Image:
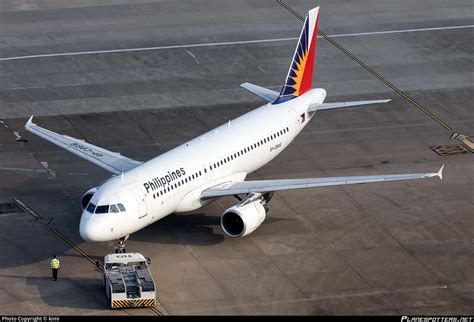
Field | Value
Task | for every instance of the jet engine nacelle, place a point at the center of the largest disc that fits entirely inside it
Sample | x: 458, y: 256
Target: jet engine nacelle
x: 241, y: 220
x: 87, y: 196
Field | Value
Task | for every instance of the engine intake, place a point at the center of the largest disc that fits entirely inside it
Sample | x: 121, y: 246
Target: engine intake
x: 241, y: 220
x: 87, y: 196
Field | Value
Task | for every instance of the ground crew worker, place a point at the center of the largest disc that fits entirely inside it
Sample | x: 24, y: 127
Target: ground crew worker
x: 55, y: 267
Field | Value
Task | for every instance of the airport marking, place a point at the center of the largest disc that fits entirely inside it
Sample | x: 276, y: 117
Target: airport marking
x: 227, y: 43
x: 24, y: 169
x: 450, y: 149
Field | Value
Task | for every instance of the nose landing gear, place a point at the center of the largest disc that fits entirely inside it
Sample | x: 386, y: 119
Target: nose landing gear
x: 121, y: 245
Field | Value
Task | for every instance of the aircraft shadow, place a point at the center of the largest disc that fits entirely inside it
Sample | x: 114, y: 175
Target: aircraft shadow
x: 193, y: 229
x: 197, y: 229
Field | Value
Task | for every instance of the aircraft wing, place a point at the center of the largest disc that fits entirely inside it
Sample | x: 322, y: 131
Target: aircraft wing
x: 331, y: 106
x: 262, y: 92
x: 264, y: 186
x: 111, y: 161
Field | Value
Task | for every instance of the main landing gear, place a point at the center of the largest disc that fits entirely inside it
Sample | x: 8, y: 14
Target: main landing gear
x: 121, y: 245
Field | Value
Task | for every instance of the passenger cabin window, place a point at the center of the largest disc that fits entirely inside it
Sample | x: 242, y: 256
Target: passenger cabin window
x: 90, y: 208
x: 102, y: 209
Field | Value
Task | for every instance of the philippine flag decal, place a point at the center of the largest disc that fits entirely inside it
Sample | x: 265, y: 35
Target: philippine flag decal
x: 302, y: 118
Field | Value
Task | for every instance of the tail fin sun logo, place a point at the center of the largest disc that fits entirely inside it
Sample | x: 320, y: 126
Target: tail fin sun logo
x: 293, y: 82
x: 300, y: 74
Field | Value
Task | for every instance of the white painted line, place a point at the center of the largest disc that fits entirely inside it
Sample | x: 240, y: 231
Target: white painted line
x: 227, y: 43
x: 78, y: 173
x: 149, y: 48
x: 192, y: 55
x: 17, y: 135
x: 23, y: 169
x: 399, y: 31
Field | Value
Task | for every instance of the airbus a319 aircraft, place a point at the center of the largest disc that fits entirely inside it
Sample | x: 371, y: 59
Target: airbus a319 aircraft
x: 197, y: 173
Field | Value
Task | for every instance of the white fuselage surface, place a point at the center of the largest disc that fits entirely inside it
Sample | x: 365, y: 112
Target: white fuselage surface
x: 173, y: 181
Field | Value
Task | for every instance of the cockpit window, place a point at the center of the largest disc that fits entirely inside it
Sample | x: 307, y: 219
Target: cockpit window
x: 113, y: 208
x: 90, y: 208
x: 121, y: 207
x: 102, y: 209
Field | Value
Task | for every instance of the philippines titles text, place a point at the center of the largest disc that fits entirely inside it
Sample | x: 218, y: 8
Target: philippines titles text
x: 160, y: 182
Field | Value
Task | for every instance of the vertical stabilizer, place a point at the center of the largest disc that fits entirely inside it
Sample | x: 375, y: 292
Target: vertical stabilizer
x: 300, y: 75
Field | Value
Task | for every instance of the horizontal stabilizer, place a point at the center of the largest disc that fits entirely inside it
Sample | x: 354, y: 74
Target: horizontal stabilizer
x: 262, y: 92
x: 331, y: 106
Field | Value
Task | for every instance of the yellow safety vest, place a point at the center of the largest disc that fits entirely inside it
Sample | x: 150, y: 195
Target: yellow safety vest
x: 55, y: 263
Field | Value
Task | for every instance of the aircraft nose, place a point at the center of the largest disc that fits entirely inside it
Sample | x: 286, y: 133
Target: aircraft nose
x: 89, y: 229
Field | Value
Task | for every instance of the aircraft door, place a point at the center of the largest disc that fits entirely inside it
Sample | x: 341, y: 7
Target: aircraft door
x: 141, y: 200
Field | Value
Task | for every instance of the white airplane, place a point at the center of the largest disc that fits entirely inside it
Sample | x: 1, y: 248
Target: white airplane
x: 214, y: 164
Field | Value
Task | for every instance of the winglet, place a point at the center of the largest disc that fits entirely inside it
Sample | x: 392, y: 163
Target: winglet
x: 440, y: 172
x: 30, y: 121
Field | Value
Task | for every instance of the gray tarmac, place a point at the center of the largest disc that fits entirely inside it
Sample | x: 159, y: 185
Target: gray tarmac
x: 385, y: 248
